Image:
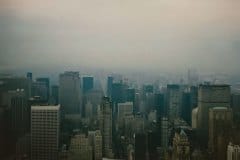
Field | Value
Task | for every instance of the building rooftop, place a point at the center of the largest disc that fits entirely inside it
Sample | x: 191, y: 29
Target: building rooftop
x: 45, y: 107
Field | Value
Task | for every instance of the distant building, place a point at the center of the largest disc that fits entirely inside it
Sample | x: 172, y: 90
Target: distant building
x: 109, y: 86
x: 233, y: 152
x: 220, y: 124
x: 29, y: 75
x: 106, y: 126
x: 80, y: 148
x: 181, y: 146
x: 70, y: 93
x: 87, y: 83
x: 95, y: 139
x: 164, y: 132
x: 40, y: 89
x: 45, y: 127
x: 46, y: 82
x: 210, y: 96
x: 55, y: 94
x: 174, y: 101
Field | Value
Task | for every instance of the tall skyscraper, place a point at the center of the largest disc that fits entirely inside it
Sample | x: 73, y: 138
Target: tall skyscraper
x: 45, y: 125
x: 55, y: 94
x: 174, y: 101
x: 87, y: 83
x: 220, y: 124
x: 106, y: 126
x: 109, y: 86
x: 69, y: 92
x: 210, y: 96
x: 46, y: 82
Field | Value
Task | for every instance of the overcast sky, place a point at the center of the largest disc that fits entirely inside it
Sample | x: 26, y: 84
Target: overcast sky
x: 159, y: 35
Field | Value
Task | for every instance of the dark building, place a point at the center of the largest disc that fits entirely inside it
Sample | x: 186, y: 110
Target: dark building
x: 186, y: 109
x: 39, y: 89
x: 159, y: 105
x: 47, y: 84
x: 117, y: 93
x: 109, y: 86
x: 88, y: 83
x: 141, y: 146
x: 148, y: 88
x: 29, y: 75
x: 55, y: 94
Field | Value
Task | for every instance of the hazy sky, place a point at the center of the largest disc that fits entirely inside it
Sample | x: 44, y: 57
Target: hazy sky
x: 164, y: 35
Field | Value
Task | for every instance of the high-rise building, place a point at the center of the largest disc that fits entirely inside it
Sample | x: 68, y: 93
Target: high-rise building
x: 87, y: 83
x: 45, y: 125
x: 164, y: 132
x: 69, y: 92
x: 40, y: 89
x: 20, y: 112
x: 181, y: 146
x: 159, y: 106
x: 55, y: 94
x: 210, y: 96
x: 109, y: 86
x: 106, y: 126
x: 186, y: 109
x: 174, y: 101
x: 80, y: 148
x: 46, y: 82
x: 220, y: 124
x: 29, y: 75
x: 95, y: 139
x: 233, y: 152
x: 140, y: 145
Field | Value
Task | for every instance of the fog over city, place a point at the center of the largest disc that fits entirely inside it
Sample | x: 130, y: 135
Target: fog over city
x: 155, y: 35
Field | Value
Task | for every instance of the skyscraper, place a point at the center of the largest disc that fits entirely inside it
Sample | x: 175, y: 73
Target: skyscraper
x: 233, y: 152
x: 210, y: 96
x: 46, y: 82
x: 95, y: 139
x: 174, y: 101
x: 87, y: 83
x: 106, y: 126
x: 69, y: 92
x: 220, y: 124
x: 45, y: 125
x: 109, y: 86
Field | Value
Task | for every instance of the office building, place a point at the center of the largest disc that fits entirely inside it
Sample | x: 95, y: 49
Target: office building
x: 106, y: 126
x: 181, y: 146
x: 87, y: 83
x: 80, y: 148
x: 210, y: 96
x: 46, y: 82
x: 55, y: 94
x: 220, y: 124
x: 45, y: 126
x: 109, y: 86
x: 95, y: 139
x: 70, y: 93
x: 174, y: 101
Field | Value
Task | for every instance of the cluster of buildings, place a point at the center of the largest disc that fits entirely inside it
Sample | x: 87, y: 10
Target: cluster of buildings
x: 80, y: 119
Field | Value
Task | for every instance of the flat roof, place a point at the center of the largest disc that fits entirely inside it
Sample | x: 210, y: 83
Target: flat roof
x: 45, y: 107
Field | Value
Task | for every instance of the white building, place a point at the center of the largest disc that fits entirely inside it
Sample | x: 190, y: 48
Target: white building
x: 233, y: 152
x: 45, y: 124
